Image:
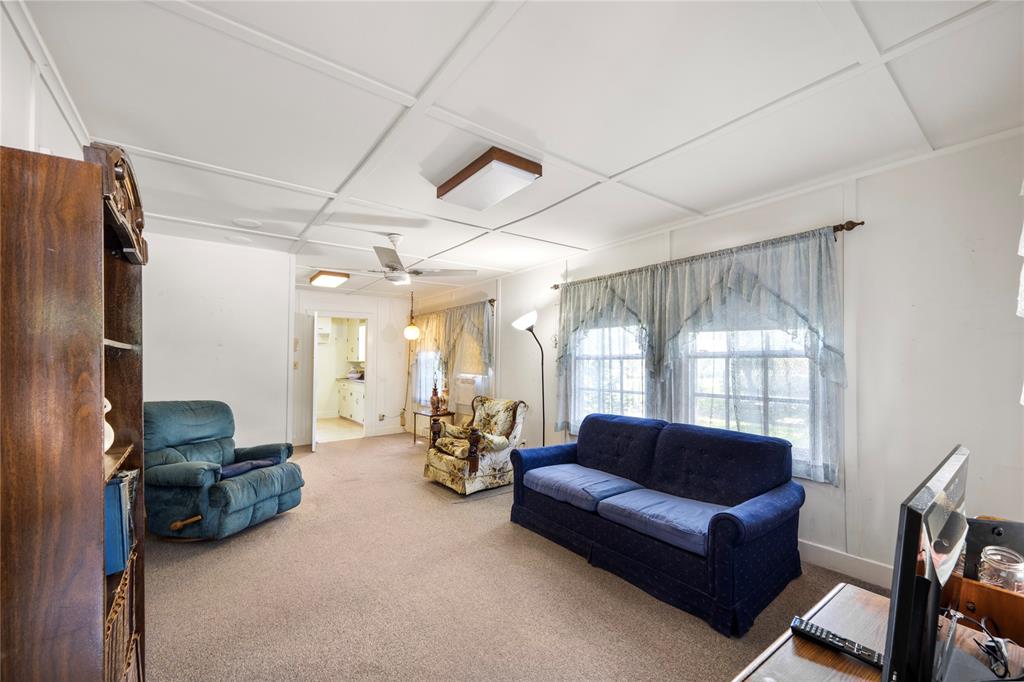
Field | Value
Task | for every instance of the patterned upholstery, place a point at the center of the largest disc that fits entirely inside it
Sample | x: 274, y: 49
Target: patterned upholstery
x: 450, y: 461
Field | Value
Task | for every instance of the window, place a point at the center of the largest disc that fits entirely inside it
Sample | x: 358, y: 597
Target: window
x: 609, y: 372
x: 427, y: 372
x: 758, y: 381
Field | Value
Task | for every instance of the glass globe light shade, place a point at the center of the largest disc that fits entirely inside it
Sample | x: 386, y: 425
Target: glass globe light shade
x: 412, y: 332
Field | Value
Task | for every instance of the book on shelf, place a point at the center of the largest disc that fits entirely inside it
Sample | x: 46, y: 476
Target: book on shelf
x: 119, y: 503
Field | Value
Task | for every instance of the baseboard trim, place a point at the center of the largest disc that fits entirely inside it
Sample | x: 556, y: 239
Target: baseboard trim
x: 867, y: 570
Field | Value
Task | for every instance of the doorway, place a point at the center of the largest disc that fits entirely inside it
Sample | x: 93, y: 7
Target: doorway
x: 339, y: 378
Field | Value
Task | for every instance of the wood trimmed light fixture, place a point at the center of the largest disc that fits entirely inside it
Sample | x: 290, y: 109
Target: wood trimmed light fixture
x: 327, y: 278
x: 494, y: 176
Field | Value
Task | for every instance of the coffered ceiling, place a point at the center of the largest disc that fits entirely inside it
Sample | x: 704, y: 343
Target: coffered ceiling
x: 318, y: 128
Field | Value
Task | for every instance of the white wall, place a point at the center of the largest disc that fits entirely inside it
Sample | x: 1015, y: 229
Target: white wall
x: 29, y: 115
x: 385, y: 364
x: 216, y: 327
x: 935, y: 352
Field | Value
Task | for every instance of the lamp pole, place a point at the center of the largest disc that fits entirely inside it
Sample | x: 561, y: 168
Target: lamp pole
x: 543, y: 409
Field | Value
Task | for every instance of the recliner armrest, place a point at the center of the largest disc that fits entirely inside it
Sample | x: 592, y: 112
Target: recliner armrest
x: 758, y: 515
x: 279, y: 451
x: 534, y: 458
x: 183, y: 475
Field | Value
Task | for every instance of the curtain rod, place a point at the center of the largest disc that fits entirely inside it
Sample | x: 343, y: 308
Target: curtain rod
x: 836, y: 229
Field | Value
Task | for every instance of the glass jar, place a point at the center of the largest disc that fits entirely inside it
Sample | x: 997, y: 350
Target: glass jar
x: 1002, y: 567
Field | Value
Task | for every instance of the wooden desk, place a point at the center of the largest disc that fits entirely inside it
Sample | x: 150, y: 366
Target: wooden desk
x: 855, y: 614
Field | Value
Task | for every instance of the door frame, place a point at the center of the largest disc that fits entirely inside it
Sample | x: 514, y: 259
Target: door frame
x: 370, y: 403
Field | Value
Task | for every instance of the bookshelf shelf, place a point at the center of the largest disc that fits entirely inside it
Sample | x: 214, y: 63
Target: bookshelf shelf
x: 114, y: 458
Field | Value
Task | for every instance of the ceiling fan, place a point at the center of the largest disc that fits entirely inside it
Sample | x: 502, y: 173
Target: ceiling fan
x: 398, y: 274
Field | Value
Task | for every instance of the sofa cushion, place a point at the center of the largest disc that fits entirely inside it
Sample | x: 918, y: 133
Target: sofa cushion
x: 239, y: 468
x: 174, y: 422
x: 717, y: 466
x: 577, y: 485
x: 256, y: 485
x: 679, y: 521
x: 623, y: 446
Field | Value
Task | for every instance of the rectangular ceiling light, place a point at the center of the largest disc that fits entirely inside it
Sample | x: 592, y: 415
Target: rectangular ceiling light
x: 325, y: 278
x: 494, y: 176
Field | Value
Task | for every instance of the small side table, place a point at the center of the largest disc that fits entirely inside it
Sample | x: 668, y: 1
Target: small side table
x: 424, y: 411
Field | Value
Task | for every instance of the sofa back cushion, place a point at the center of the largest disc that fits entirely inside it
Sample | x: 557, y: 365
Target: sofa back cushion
x: 200, y: 430
x: 718, y: 466
x: 623, y: 446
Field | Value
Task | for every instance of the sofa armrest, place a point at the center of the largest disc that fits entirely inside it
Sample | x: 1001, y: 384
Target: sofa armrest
x: 183, y: 475
x: 534, y: 458
x: 275, y: 451
x: 758, y: 515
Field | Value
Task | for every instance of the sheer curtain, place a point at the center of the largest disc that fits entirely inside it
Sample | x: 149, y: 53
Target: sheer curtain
x: 748, y: 339
x: 454, y: 343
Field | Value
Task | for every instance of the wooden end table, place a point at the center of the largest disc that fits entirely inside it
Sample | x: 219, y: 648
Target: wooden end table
x: 424, y: 411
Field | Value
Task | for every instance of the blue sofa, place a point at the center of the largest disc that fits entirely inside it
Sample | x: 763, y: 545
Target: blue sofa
x: 703, y: 519
x: 193, y: 469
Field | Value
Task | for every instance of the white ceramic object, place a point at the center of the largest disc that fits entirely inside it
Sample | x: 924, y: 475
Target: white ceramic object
x: 108, y: 430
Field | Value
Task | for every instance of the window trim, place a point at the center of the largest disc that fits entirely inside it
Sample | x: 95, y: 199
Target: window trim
x: 577, y: 388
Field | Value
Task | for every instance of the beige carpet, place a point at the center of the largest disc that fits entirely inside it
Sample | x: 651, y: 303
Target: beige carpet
x: 382, y: 575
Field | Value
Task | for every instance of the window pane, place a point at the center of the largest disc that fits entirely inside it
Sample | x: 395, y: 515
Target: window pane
x: 749, y: 416
x: 611, y: 375
x: 711, y: 412
x: 631, y: 341
x: 778, y: 339
x: 789, y: 378
x: 709, y: 375
x: 588, y: 373
x: 633, y: 375
x: 586, y: 403
x: 633, y: 404
x: 747, y: 377
x: 711, y: 342
x: 590, y: 342
x: 791, y: 421
x: 611, y: 402
x: 746, y: 340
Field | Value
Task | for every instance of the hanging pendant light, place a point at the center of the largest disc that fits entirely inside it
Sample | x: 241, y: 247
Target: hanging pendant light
x: 411, y: 332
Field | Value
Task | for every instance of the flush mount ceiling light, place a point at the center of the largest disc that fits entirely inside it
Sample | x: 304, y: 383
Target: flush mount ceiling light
x: 248, y: 222
x: 326, y: 278
x: 494, y: 176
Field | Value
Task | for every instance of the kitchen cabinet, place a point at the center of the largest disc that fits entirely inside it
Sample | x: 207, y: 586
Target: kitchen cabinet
x: 352, y: 400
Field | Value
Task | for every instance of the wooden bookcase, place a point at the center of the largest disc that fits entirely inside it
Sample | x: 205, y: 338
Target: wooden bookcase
x: 70, y: 334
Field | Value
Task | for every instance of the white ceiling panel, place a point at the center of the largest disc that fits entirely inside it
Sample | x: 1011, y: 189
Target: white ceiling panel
x: 188, y: 192
x: 169, y: 84
x: 398, y: 43
x: 890, y: 23
x: 967, y: 84
x: 603, y: 214
x: 608, y: 85
x: 855, y: 122
x: 354, y: 224
x: 432, y: 152
x: 326, y: 257
x: 214, y: 234
x: 501, y: 251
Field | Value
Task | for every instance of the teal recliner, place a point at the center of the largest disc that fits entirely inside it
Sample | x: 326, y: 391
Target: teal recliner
x: 199, y: 485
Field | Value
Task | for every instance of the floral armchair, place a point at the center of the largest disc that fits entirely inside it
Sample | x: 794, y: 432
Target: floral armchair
x: 476, y: 456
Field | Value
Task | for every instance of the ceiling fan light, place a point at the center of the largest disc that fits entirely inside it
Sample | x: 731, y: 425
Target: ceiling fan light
x: 398, y: 278
x: 325, y: 278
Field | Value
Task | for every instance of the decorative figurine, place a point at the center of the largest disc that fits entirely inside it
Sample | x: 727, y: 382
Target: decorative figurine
x: 108, y: 430
x: 435, y: 400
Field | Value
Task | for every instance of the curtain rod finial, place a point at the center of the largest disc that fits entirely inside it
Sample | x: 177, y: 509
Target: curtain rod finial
x: 847, y: 226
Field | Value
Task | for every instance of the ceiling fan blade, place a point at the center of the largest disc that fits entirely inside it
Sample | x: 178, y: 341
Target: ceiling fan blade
x: 442, y: 273
x: 388, y: 258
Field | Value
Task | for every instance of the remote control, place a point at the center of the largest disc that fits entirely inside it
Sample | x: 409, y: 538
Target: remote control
x: 801, y: 627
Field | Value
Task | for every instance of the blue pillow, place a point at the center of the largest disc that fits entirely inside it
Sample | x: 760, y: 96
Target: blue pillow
x: 239, y: 468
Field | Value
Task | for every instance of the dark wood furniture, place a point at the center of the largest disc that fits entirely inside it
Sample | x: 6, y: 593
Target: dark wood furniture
x: 424, y: 411
x: 70, y: 333
x: 856, y: 614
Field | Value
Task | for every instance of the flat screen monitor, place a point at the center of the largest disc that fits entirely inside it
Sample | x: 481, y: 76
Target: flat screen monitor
x: 931, y: 536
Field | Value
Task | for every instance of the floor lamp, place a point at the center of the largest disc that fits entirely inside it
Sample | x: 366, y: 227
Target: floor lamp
x: 525, y: 324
